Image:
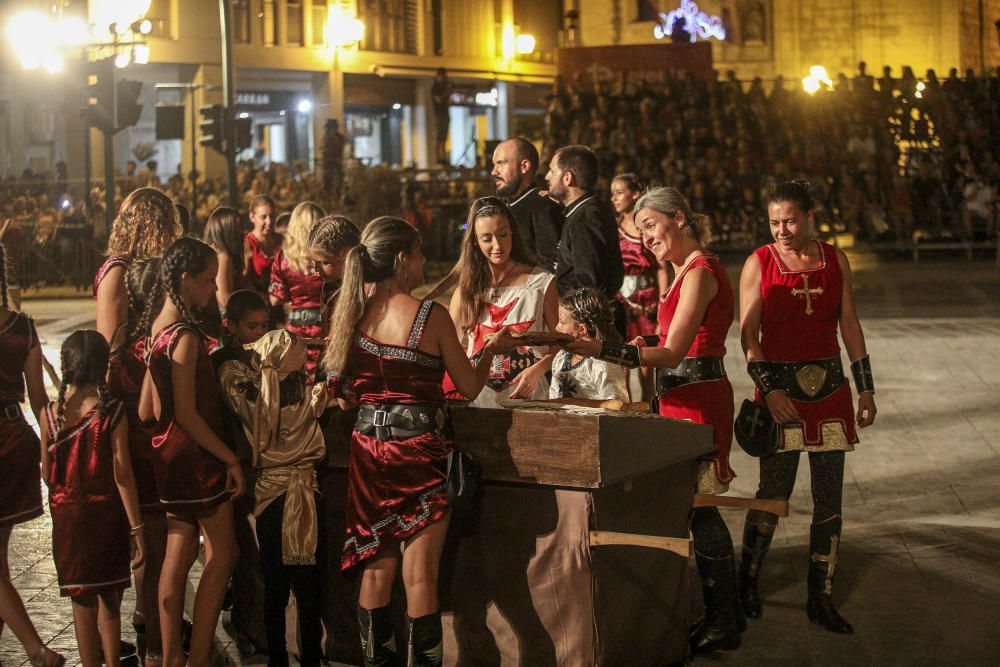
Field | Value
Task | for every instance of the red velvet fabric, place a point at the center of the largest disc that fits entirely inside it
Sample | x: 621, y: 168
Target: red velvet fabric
x: 109, y: 263
x: 90, y: 530
x: 188, y: 478
x: 710, y: 340
x: 301, y: 291
x: 259, y: 273
x: 125, y: 373
x: 641, y: 263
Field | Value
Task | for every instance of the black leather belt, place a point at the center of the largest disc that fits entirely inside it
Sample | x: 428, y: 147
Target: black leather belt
x: 808, y: 381
x: 11, y: 411
x: 691, y: 369
x: 303, y: 317
x: 401, y: 421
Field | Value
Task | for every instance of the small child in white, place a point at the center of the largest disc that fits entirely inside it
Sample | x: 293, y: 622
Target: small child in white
x: 586, y: 312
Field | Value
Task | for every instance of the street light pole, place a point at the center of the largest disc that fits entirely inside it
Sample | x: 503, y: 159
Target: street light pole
x: 229, y: 96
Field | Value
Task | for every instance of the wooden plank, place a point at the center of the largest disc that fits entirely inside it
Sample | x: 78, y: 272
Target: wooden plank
x: 678, y: 545
x: 779, y: 507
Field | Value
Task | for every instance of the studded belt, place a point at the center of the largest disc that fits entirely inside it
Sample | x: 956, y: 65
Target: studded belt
x: 10, y: 411
x: 401, y: 421
x: 691, y: 369
x: 303, y: 317
x: 808, y: 381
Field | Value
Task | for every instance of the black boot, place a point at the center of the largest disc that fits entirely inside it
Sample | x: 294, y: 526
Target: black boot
x: 718, y: 631
x: 425, y: 646
x: 378, y: 644
x: 825, y: 537
x: 757, y: 535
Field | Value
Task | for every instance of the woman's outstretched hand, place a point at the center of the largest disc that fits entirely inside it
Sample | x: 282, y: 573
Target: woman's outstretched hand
x: 585, y: 346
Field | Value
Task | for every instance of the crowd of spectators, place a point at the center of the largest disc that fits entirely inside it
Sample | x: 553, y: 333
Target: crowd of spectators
x: 893, y: 159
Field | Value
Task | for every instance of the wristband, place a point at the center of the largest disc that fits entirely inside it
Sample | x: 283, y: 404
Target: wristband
x: 135, y: 529
x: 622, y: 355
x: 861, y: 369
x: 762, y: 377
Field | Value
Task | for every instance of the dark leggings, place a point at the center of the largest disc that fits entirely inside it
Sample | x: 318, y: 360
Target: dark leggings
x: 710, y: 534
x: 305, y: 580
x: 777, y: 479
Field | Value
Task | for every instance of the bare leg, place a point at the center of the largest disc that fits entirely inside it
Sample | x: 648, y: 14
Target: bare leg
x: 12, y: 610
x: 155, y: 534
x: 88, y: 636
x: 181, y: 550
x: 220, y: 557
x: 109, y: 622
x: 376, y: 582
x: 421, y: 564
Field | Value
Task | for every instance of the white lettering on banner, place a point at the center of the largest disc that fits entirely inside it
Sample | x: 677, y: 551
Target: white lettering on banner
x: 253, y: 99
x: 698, y: 24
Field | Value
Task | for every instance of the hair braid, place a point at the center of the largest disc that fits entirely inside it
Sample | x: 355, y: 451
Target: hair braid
x: 67, y: 378
x: 3, y: 277
x: 185, y: 255
x: 105, y: 394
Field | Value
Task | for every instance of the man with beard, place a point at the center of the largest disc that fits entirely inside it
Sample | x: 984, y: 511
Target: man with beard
x: 538, y: 218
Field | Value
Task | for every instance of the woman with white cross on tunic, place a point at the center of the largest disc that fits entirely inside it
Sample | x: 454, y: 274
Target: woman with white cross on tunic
x: 794, y: 294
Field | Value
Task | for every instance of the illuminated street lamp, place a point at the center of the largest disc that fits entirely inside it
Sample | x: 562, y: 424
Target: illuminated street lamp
x: 817, y: 79
x: 525, y: 44
x: 343, y: 29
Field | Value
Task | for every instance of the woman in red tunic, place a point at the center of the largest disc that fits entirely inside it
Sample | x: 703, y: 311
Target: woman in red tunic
x: 261, y: 243
x: 296, y: 284
x: 388, y: 351
x: 21, y: 491
x: 691, y: 383
x: 92, y: 496
x: 196, y: 473
x: 794, y: 294
x: 145, y: 226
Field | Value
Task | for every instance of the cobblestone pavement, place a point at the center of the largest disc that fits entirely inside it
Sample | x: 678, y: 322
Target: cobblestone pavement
x: 919, y: 575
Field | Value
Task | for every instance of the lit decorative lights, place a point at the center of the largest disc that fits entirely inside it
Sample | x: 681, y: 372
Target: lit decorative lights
x: 697, y: 24
x: 817, y: 79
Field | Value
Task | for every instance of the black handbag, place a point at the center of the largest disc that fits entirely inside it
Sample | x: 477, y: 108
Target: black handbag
x: 463, y: 481
x: 755, y: 429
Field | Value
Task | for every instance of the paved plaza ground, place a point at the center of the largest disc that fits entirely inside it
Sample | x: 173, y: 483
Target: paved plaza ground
x: 919, y: 575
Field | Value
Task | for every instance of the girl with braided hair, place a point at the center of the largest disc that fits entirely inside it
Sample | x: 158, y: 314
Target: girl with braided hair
x: 20, y: 492
x: 196, y: 473
x: 586, y: 312
x: 145, y: 226
x: 126, y: 369
x: 329, y: 243
x: 86, y: 465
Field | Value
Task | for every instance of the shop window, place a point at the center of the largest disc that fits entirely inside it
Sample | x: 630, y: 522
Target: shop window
x: 390, y: 25
x: 241, y: 21
x: 293, y: 22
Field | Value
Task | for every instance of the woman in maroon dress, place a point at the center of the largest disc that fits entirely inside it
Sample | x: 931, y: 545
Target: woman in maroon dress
x: 21, y: 491
x: 145, y: 226
x: 296, y: 284
x: 388, y: 351
x: 224, y: 232
x: 794, y: 296
x: 694, y: 317
x: 92, y: 496
x: 261, y: 244
x: 196, y: 473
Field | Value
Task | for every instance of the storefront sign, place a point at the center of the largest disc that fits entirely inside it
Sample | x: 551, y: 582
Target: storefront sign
x: 697, y: 24
x: 253, y: 99
x: 649, y: 62
x: 468, y: 96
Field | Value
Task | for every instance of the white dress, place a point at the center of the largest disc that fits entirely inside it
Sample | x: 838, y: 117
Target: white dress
x: 519, y: 308
x: 587, y: 378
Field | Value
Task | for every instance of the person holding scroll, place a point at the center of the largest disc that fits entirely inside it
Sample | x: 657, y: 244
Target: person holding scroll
x: 794, y: 294
x: 694, y: 316
x: 500, y: 286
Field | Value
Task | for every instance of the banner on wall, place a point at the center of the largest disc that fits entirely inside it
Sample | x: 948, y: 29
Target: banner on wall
x: 655, y: 63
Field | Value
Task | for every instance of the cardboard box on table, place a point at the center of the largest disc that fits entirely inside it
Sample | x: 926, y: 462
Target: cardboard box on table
x: 530, y: 579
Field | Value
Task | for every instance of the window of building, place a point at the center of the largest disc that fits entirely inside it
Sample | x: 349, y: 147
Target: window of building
x: 241, y: 21
x: 319, y: 14
x: 390, y: 25
x: 268, y: 22
x: 294, y: 33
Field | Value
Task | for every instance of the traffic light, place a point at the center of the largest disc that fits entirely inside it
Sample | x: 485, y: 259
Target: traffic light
x: 127, y: 105
x: 100, y: 96
x: 244, y: 134
x: 211, y: 128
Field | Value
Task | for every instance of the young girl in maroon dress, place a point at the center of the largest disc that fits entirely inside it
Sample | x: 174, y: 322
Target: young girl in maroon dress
x: 694, y: 316
x: 196, y: 473
x: 126, y: 369
x: 85, y: 463
x: 145, y: 226
x: 21, y: 491
x: 388, y: 351
x: 296, y: 285
x: 261, y: 243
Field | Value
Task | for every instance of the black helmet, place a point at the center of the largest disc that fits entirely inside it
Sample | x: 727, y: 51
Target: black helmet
x: 755, y: 429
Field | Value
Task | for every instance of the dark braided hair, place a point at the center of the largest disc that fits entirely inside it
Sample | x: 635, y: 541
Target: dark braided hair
x: 185, y: 255
x: 140, y: 283
x: 83, y: 362
x: 591, y: 309
x: 3, y: 278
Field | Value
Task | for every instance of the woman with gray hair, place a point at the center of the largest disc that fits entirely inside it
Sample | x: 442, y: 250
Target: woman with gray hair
x: 694, y: 317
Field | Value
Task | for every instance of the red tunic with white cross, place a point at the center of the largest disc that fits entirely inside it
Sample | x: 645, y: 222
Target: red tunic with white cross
x: 799, y: 322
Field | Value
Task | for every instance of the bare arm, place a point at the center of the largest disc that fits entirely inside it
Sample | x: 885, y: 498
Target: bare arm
x: 455, y: 311
x: 751, y: 309
x: 37, y: 397
x: 444, y: 284
x: 854, y: 339
x: 699, y: 288
x: 224, y: 279
x: 43, y: 427
x: 468, y: 380
x: 125, y: 480
x: 112, y: 302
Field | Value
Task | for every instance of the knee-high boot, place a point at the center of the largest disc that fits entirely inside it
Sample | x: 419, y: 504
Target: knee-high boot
x: 378, y: 644
x: 718, y: 631
x: 425, y: 647
x: 824, y: 539
x: 757, y: 534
